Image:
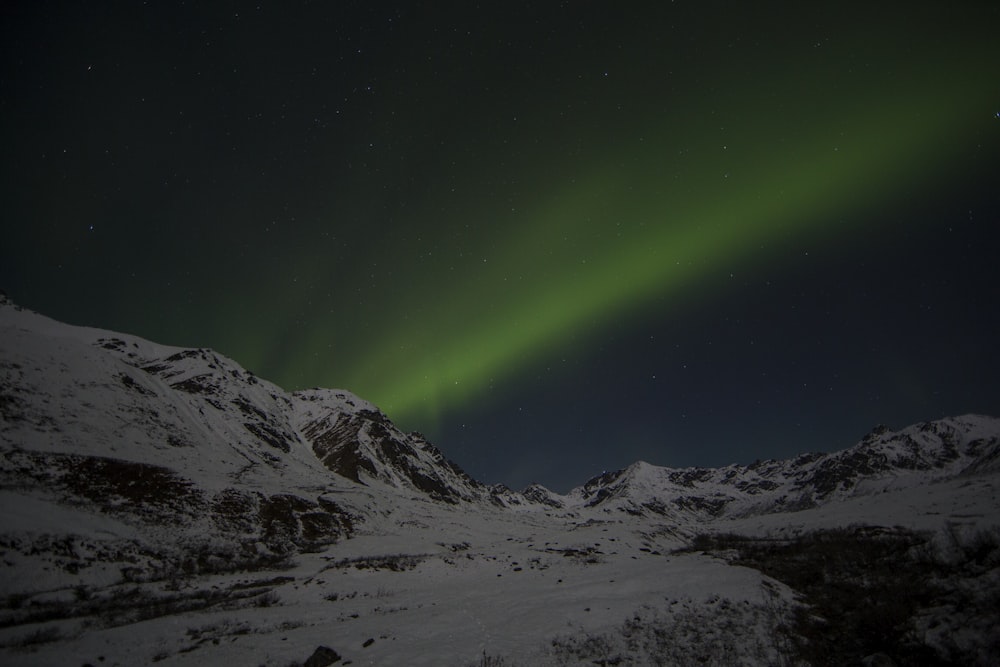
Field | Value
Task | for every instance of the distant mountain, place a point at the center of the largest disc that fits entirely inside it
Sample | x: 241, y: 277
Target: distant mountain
x: 884, y: 460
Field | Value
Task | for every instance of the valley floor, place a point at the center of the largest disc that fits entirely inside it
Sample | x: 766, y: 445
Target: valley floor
x: 440, y: 585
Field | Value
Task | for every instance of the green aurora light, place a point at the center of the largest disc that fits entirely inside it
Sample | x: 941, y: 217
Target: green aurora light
x: 640, y: 228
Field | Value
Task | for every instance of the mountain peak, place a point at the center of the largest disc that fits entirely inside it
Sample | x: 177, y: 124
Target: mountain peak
x: 883, y: 458
x: 174, y: 402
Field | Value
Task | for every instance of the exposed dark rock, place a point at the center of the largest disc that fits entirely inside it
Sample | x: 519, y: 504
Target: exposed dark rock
x: 541, y: 495
x: 322, y: 656
x: 270, y: 435
x: 198, y: 384
x: 710, y: 506
x: 129, y: 383
x: 367, y: 442
x: 117, y: 486
x: 691, y: 476
x: 338, y: 445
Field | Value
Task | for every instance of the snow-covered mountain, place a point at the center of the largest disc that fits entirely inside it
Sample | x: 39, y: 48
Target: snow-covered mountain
x: 884, y: 460
x: 141, y: 482
x: 157, y: 435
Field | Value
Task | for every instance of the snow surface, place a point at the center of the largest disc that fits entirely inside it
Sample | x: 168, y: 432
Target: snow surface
x: 429, y: 567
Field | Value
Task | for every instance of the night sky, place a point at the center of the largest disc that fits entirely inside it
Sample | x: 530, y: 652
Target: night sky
x: 555, y: 237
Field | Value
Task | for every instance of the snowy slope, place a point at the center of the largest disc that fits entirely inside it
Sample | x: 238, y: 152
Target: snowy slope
x: 164, y: 505
x: 184, y: 451
x: 883, y: 461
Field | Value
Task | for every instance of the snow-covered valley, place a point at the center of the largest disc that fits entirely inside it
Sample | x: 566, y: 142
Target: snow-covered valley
x: 163, y: 505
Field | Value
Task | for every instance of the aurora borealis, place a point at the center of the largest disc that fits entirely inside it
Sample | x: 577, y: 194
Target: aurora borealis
x: 555, y: 237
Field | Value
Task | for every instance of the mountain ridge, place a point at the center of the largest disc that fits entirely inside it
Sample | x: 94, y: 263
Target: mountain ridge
x: 165, y: 504
x: 884, y: 458
x: 352, y: 438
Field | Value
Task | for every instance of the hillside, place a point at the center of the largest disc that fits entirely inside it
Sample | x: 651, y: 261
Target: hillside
x: 165, y: 505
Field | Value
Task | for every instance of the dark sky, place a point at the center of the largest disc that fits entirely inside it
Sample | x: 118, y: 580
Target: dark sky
x: 555, y: 237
